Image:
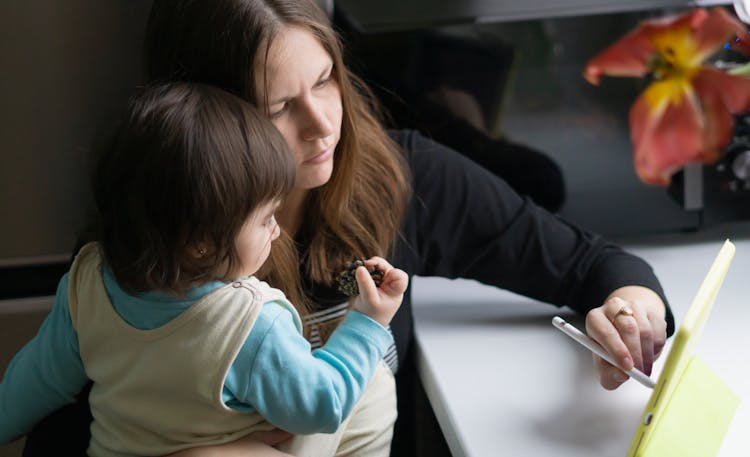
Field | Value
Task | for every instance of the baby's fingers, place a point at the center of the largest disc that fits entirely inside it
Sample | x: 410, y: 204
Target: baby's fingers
x: 379, y: 263
x: 367, y: 288
x: 395, y: 282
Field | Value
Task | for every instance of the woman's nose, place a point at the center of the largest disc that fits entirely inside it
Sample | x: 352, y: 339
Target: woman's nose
x: 317, y: 124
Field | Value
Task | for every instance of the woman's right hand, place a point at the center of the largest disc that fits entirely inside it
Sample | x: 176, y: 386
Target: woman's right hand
x: 380, y: 303
x: 630, y: 326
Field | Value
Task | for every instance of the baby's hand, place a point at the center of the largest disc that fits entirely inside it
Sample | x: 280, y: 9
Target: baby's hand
x: 380, y: 303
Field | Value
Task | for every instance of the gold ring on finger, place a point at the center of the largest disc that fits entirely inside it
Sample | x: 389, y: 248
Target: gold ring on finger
x: 623, y: 311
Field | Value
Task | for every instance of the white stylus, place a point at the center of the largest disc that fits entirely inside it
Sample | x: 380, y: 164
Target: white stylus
x: 594, y: 347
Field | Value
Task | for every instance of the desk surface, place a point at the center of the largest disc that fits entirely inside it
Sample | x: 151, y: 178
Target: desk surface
x: 501, y: 378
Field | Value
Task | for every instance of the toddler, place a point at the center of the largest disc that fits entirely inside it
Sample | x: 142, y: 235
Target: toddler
x: 185, y: 347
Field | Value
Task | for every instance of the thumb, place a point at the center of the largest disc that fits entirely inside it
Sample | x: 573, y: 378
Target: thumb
x: 367, y: 287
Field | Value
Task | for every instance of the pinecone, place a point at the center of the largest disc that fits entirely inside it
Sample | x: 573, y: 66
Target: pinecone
x: 347, y: 282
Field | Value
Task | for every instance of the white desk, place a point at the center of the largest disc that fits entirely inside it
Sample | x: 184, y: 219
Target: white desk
x: 503, y: 381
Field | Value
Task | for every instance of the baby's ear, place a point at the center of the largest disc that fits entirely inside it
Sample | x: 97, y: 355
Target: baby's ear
x: 198, y: 251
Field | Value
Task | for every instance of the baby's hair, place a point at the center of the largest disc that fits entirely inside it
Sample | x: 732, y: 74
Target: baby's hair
x: 187, y: 166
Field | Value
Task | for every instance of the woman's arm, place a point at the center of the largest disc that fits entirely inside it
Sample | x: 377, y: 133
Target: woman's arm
x: 466, y: 222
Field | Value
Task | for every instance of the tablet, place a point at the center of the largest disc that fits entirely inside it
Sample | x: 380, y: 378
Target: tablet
x: 691, y: 408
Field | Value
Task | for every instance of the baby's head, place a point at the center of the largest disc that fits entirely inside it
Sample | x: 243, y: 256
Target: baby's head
x: 187, y: 189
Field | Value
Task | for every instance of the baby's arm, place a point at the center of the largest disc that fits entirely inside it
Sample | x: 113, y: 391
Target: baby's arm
x: 46, y: 374
x: 276, y: 375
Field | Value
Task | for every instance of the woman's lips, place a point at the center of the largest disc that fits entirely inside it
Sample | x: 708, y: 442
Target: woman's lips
x: 320, y: 158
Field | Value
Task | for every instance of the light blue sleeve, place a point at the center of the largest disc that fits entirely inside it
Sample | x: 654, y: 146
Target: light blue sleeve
x: 46, y: 374
x: 298, y: 391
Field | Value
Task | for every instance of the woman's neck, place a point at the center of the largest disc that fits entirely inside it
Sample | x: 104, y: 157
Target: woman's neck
x: 292, y: 211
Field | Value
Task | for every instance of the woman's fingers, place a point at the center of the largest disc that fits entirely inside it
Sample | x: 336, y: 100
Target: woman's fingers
x: 610, y: 377
x: 272, y: 437
x: 631, y: 328
x: 646, y: 334
x: 257, y: 444
x: 624, y: 317
x: 624, y: 330
x: 600, y: 326
x: 659, y: 331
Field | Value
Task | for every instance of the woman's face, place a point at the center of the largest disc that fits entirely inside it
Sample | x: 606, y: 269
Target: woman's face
x: 304, y: 102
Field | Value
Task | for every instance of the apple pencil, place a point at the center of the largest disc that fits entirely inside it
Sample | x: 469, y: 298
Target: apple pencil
x: 594, y: 347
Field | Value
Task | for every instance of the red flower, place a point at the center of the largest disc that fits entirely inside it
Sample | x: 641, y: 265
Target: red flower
x: 685, y: 115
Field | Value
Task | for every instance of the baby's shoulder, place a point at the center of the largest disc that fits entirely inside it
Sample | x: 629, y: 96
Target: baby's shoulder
x: 263, y: 291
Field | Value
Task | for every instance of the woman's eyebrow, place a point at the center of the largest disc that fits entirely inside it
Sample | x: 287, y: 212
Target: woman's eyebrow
x: 323, y: 73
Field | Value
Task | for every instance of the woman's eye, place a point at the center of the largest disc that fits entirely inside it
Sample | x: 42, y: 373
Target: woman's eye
x: 280, y: 111
x: 323, y: 82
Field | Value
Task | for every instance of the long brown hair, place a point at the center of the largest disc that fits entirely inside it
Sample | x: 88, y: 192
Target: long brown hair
x: 187, y: 166
x: 358, y: 212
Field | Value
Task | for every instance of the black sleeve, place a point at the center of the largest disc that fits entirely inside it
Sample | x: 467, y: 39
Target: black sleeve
x: 466, y: 222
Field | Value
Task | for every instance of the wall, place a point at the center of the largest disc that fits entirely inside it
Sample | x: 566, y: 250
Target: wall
x: 67, y: 69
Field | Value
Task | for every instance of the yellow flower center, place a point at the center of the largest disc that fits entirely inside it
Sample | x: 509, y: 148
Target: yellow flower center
x: 677, y: 55
x: 672, y: 91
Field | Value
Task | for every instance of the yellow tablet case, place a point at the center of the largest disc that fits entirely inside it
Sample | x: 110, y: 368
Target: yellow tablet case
x: 690, y: 408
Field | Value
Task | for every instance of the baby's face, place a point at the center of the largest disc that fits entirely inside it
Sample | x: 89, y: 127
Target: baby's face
x: 253, y: 242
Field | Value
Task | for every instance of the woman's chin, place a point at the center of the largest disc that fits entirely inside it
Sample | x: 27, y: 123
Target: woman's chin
x: 316, y: 179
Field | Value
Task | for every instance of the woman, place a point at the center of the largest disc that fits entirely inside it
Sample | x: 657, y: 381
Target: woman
x: 362, y: 191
